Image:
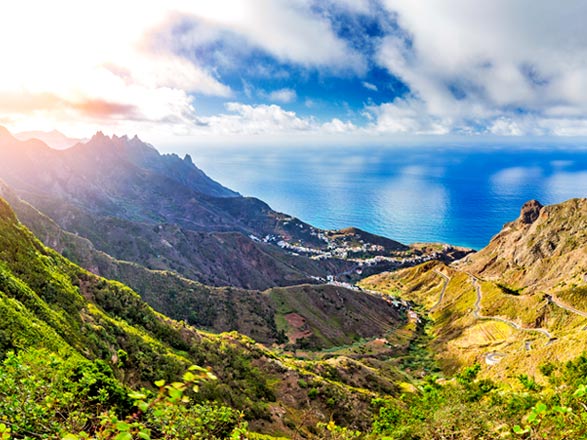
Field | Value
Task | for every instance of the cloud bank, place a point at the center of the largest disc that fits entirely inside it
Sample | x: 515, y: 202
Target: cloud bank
x: 373, y: 69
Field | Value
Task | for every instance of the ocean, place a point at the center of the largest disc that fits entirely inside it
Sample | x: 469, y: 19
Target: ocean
x: 461, y: 196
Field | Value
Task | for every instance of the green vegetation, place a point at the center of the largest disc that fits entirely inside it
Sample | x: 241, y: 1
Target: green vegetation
x: 472, y: 408
x: 82, y: 357
x: 45, y: 396
x: 78, y: 348
x: 508, y: 290
x: 326, y: 316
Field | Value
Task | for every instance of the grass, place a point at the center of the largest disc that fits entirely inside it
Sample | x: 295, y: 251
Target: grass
x: 458, y: 339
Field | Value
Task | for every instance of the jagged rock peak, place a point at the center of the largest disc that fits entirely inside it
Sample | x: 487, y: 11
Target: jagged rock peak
x: 530, y: 211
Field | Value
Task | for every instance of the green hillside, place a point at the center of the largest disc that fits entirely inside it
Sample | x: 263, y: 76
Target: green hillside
x: 250, y: 312
x: 73, y: 333
x: 84, y: 357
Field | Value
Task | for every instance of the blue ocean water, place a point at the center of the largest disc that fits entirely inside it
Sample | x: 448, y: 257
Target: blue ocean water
x: 461, y: 196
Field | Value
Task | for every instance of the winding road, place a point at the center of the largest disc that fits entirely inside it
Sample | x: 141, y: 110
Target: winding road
x: 446, y: 281
x: 494, y: 358
x: 552, y: 299
x: 477, y: 314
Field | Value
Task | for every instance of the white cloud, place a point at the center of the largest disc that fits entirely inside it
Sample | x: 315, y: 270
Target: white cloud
x: 79, y: 65
x: 288, y: 30
x: 265, y: 119
x: 260, y: 119
x: 406, y: 116
x: 83, y: 65
x: 369, y: 86
x: 284, y: 96
x: 505, y: 127
x: 508, y: 68
x: 468, y: 61
x: 338, y: 126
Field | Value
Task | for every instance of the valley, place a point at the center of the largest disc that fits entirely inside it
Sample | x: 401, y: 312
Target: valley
x: 512, y: 311
x: 301, y: 332
x: 293, y: 220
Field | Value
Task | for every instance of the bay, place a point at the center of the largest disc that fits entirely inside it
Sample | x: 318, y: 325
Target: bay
x: 461, y: 196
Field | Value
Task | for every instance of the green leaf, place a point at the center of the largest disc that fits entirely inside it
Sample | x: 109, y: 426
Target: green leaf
x: 174, y: 393
x: 189, y: 377
x: 518, y: 430
x: 123, y: 436
x: 540, y: 407
x: 69, y: 437
x: 197, y: 368
x: 159, y: 383
x: 122, y: 426
x: 136, y: 396
x: 144, y: 435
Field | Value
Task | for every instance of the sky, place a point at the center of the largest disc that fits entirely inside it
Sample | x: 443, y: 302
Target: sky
x: 296, y: 71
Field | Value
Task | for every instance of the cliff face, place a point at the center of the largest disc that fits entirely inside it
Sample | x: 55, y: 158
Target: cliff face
x: 545, y: 246
x: 516, y: 304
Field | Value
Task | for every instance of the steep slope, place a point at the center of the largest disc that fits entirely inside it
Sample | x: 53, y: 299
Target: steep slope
x: 545, y: 246
x: 50, y: 304
x: 327, y: 316
x: 159, y: 211
x: 164, y: 213
x: 69, y: 304
x: 516, y: 304
x: 250, y: 312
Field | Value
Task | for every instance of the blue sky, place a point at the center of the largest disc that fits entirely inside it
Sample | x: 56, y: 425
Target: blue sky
x: 297, y: 71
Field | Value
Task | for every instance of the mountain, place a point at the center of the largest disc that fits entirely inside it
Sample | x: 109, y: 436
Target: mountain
x: 250, y: 312
x: 105, y: 340
x: 419, y: 352
x: 162, y: 212
x: 544, y: 247
x: 55, y: 139
x: 515, y: 305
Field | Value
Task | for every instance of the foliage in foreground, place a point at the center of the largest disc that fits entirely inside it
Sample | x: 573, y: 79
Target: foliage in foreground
x: 472, y: 408
x: 45, y: 396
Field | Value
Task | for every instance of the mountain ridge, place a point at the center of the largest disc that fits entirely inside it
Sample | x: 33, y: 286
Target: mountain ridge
x: 138, y: 205
x: 58, y: 308
x: 515, y: 304
x: 251, y: 312
x: 54, y: 138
